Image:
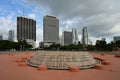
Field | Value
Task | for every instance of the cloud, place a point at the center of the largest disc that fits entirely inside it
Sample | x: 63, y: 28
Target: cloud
x: 6, y: 24
x: 101, y: 16
x: 83, y: 8
x: 33, y: 16
x: 39, y: 35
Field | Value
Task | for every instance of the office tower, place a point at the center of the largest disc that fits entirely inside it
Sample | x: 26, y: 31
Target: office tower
x: 116, y: 38
x: 66, y: 38
x: 103, y: 39
x: 50, y: 29
x: 1, y: 37
x: 84, y: 36
x: 75, y: 36
x: 26, y: 30
x: 11, y: 35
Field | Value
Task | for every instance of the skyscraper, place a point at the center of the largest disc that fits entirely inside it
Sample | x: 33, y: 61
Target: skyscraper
x: 84, y: 36
x: 66, y: 38
x: 74, y: 36
x: 1, y: 37
x: 50, y: 29
x: 11, y: 35
x: 26, y: 30
x: 103, y: 39
x: 116, y: 38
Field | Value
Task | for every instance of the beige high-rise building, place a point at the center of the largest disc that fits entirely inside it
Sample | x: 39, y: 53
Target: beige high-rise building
x: 50, y: 29
x: 74, y: 36
x: 85, y: 39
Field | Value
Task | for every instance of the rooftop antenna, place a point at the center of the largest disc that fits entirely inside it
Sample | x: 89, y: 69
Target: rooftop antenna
x: 23, y: 11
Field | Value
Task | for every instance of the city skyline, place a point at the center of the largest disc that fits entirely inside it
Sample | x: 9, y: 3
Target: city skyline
x: 101, y: 19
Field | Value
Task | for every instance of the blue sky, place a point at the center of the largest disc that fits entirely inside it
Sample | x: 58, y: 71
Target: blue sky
x: 10, y: 9
x: 102, y: 17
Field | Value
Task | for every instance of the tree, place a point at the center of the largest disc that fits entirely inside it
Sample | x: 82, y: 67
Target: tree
x: 90, y: 47
x: 53, y: 47
x: 8, y: 45
x: 80, y: 46
x: 23, y: 45
x: 117, y: 44
x: 110, y: 46
x: 101, y: 45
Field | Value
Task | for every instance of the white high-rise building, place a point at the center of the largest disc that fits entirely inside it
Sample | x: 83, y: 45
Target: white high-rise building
x: 11, y: 35
x: 50, y: 29
x: 85, y: 36
x: 75, y: 36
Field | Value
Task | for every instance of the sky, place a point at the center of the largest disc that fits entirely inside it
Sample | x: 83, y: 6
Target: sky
x: 102, y: 17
